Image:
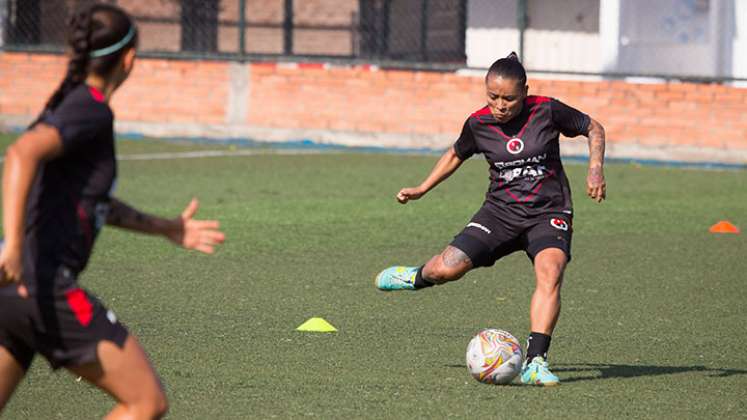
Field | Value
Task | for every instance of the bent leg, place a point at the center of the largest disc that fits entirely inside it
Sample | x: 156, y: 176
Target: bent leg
x: 128, y: 376
x: 11, y: 373
x: 549, y: 265
x: 449, y: 265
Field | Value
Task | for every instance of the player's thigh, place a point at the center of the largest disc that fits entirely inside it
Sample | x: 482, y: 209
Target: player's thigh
x: 487, y: 237
x: 16, y: 339
x: 549, y: 232
x: 11, y: 373
x: 125, y: 373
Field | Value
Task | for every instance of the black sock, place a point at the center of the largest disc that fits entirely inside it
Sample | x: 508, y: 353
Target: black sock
x: 421, y: 282
x: 537, y: 345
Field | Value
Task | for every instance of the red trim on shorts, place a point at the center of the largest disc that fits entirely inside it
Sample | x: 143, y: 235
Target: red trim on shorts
x: 80, y: 305
x: 96, y: 94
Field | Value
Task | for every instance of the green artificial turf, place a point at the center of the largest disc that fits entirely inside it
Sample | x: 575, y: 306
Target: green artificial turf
x: 653, y: 305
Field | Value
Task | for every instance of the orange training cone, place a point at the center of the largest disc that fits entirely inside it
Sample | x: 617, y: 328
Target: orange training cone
x: 724, y: 226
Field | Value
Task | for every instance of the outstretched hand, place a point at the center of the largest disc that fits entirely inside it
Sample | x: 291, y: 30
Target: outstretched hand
x: 596, y: 187
x: 200, y: 235
x: 406, y: 194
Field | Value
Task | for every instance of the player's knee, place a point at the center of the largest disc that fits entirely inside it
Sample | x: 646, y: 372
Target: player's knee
x: 159, y: 405
x: 154, y: 406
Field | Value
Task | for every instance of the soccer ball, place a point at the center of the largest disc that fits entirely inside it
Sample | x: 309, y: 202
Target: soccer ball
x: 494, y: 356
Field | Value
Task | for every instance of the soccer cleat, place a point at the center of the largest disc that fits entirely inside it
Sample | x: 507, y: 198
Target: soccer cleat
x: 397, y: 278
x: 538, y: 373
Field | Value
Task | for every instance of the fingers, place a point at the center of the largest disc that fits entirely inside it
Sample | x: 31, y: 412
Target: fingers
x: 8, y: 277
x: 402, y: 196
x: 203, y: 236
x: 205, y: 249
x: 7, y: 280
x: 23, y: 291
x: 205, y: 224
x: 213, y: 238
x: 597, y: 193
x: 191, y: 209
x: 406, y: 194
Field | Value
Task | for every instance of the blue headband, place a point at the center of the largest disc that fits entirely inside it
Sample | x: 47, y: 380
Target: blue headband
x: 114, y: 47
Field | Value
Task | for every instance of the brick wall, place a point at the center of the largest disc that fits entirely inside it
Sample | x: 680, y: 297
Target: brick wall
x: 362, y: 101
x: 357, y: 99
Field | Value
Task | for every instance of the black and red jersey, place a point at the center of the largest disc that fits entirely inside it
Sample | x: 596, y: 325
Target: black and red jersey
x: 526, y: 174
x: 69, y: 200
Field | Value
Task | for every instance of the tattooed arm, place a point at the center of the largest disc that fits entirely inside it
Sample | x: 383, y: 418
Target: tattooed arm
x: 596, y: 187
x: 201, y: 235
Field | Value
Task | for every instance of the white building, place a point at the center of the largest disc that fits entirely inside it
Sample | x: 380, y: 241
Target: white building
x: 653, y: 37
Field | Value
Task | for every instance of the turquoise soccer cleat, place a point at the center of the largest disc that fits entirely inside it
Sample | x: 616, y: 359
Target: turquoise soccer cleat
x: 397, y: 278
x: 538, y: 373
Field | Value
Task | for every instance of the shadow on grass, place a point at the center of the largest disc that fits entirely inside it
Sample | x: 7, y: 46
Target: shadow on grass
x: 577, y: 372
x: 607, y: 371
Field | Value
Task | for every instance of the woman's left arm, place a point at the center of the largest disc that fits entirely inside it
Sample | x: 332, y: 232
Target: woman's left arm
x: 200, y: 235
x: 596, y: 187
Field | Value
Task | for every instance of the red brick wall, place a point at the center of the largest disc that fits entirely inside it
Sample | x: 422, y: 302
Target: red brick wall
x: 159, y: 90
x: 367, y: 100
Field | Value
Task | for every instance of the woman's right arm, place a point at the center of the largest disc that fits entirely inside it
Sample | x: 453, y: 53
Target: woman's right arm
x: 22, y: 160
x: 446, y: 166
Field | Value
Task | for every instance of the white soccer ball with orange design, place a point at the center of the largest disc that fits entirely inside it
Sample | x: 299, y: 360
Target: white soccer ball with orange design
x: 494, y: 356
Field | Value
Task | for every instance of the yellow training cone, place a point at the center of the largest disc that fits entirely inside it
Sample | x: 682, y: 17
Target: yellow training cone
x: 316, y: 325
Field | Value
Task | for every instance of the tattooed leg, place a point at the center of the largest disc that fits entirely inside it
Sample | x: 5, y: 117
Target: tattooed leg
x: 450, y: 265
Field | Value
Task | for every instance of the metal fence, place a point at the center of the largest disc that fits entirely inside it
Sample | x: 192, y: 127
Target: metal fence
x: 414, y: 31
x: 682, y: 39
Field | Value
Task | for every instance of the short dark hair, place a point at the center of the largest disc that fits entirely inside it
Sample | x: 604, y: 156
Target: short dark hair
x: 508, y: 68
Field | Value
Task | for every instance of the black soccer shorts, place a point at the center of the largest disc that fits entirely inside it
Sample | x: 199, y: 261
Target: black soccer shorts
x: 493, y: 234
x: 65, y: 327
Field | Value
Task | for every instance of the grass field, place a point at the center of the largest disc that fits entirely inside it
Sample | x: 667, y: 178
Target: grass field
x: 653, y: 311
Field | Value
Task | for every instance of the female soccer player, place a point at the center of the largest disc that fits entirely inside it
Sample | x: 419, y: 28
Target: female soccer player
x: 528, y: 206
x: 58, y: 182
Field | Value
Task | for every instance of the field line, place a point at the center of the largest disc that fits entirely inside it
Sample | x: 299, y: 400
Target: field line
x: 210, y: 153
x: 206, y: 154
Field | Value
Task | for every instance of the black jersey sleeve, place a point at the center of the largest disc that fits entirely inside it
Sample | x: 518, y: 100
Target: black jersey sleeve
x: 79, y: 124
x: 465, y: 145
x: 569, y: 121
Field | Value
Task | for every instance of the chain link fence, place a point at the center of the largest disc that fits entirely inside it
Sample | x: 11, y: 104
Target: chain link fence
x: 696, y: 39
x: 416, y: 31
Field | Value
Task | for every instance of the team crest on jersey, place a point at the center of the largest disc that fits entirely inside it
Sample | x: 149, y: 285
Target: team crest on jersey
x: 515, y: 146
x: 559, y: 223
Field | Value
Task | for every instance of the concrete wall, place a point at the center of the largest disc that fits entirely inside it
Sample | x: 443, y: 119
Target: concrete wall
x: 676, y: 37
x: 363, y: 105
x: 557, y: 38
x: 739, y: 40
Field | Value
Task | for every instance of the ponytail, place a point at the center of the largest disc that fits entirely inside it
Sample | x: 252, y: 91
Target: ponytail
x: 94, y: 32
x: 509, y: 68
x: 79, y: 40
